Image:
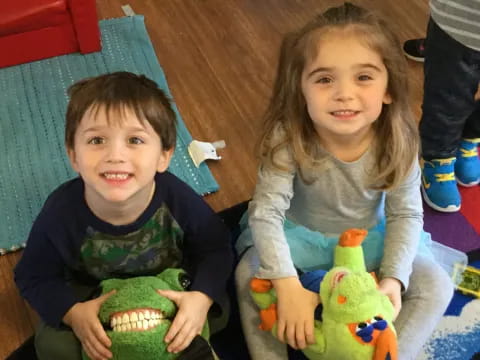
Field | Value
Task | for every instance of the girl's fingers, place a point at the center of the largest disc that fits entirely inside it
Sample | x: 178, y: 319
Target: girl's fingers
x: 281, y: 330
x: 310, y: 333
x: 290, y: 332
x: 300, y: 337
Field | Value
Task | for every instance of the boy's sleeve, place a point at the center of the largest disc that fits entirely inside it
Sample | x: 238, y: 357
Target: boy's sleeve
x: 39, y: 276
x: 207, y: 245
x: 210, y: 252
x: 404, y: 215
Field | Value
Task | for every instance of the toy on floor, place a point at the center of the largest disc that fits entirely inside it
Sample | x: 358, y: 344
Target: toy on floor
x: 137, y: 318
x: 468, y: 279
x: 356, y: 319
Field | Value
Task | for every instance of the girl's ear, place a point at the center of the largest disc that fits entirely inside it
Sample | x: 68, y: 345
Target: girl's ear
x: 164, y: 161
x: 387, y: 99
x: 72, y: 158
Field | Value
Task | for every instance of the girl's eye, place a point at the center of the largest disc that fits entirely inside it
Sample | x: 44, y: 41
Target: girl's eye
x: 135, y: 141
x: 324, y: 80
x: 365, y: 77
x: 96, y: 140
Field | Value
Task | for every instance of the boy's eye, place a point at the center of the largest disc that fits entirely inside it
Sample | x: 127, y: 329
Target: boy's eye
x: 135, y: 140
x: 96, y: 140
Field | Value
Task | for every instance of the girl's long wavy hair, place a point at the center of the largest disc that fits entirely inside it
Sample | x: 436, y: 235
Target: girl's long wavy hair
x: 396, y: 134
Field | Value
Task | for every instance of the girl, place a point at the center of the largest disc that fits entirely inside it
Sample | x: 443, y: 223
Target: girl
x: 339, y: 150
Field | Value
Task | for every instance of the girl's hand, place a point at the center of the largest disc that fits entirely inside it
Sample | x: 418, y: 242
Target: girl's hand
x: 192, y: 312
x: 83, y: 319
x: 296, y: 307
x: 393, y: 289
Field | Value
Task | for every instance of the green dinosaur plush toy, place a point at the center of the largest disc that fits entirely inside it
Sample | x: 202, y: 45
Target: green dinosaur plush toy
x: 137, y: 318
x: 356, y: 319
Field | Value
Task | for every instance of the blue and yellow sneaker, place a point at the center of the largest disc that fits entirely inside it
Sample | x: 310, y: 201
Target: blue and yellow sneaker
x: 467, y: 167
x: 439, y: 187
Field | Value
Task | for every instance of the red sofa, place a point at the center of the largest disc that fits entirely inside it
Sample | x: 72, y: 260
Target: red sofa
x: 37, y: 29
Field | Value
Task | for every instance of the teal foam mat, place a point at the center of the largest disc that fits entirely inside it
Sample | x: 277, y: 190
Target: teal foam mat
x: 33, y: 102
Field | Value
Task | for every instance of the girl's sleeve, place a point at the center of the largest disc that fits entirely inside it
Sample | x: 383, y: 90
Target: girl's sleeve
x: 404, y: 215
x: 266, y: 211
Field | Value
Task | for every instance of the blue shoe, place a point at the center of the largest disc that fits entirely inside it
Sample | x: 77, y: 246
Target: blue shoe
x: 467, y: 167
x: 439, y: 187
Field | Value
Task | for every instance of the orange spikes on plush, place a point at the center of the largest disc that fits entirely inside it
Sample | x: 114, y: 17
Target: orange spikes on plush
x: 352, y: 237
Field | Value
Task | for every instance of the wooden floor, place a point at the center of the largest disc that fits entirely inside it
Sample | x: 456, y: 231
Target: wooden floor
x: 219, y: 57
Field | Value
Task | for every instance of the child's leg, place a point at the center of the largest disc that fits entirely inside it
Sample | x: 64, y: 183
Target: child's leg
x: 423, y: 305
x: 55, y: 344
x: 262, y: 345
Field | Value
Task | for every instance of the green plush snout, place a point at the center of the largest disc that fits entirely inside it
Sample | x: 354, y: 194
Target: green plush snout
x: 137, y: 318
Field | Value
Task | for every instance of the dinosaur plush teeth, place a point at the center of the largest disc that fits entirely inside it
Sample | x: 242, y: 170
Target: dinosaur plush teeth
x: 138, y: 325
x: 136, y: 320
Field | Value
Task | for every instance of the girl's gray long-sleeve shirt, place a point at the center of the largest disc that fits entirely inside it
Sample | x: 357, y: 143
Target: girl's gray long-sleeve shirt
x: 338, y: 199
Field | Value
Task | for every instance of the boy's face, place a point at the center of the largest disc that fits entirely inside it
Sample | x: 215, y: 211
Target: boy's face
x: 345, y: 87
x: 117, y: 160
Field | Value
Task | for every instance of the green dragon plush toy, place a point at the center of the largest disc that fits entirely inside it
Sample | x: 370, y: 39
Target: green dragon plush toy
x: 356, y: 319
x: 137, y: 318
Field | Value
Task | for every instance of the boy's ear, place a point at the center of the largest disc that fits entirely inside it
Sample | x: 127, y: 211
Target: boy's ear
x: 164, y: 161
x: 72, y: 158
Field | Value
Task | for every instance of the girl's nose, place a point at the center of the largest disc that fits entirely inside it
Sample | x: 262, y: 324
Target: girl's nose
x: 344, y: 90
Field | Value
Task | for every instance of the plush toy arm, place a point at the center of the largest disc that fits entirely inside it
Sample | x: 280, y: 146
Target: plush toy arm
x: 264, y: 296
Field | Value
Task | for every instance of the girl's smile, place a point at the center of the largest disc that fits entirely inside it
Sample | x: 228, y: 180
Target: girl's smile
x: 344, y: 86
x: 344, y: 114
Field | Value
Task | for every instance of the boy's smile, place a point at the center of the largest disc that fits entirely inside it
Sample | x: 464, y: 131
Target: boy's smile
x: 117, y: 157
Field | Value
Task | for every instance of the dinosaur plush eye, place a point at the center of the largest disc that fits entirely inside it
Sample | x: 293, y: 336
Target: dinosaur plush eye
x: 361, y: 326
x: 184, y: 281
x: 377, y: 318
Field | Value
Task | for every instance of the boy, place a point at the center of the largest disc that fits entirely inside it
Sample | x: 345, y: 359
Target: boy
x: 124, y: 216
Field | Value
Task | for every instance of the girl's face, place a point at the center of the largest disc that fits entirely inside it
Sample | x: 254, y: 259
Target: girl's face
x: 344, y: 87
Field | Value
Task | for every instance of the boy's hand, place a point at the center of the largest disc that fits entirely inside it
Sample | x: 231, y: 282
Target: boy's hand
x: 393, y: 289
x: 296, y: 307
x: 192, y: 312
x: 83, y: 319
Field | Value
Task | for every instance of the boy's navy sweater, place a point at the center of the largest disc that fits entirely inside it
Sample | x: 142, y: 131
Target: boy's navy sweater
x: 69, y: 244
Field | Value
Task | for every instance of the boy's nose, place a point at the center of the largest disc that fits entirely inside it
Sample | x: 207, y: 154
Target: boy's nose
x: 115, y: 153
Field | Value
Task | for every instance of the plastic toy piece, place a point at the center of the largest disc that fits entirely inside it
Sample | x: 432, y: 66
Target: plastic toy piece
x: 200, y: 151
x: 469, y: 279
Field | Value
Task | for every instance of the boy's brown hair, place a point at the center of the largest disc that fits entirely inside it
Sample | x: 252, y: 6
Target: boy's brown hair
x: 116, y: 92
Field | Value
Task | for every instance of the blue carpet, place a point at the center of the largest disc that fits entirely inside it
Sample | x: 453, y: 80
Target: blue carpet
x: 33, y: 161
x: 457, y: 335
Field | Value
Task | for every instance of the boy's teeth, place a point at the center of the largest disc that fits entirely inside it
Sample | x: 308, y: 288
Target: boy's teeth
x: 113, y: 176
